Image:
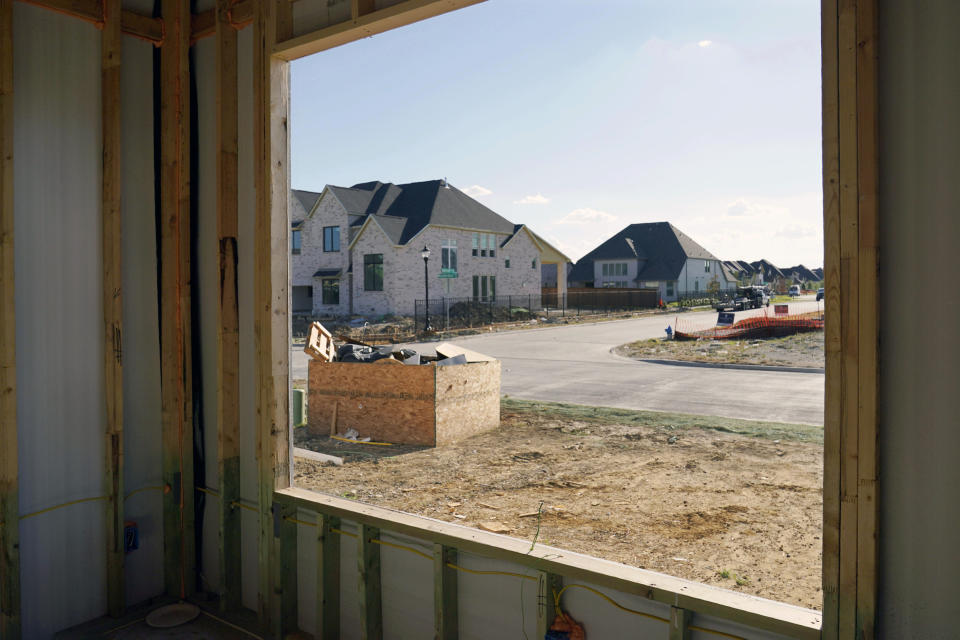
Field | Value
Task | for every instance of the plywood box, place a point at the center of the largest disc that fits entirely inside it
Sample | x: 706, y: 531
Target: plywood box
x: 419, y: 404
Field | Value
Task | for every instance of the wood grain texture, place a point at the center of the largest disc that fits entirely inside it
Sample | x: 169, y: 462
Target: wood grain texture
x: 328, y: 578
x: 548, y: 585
x: 868, y: 314
x: 9, y: 500
x: 112, y: 189
x: 371, y: 606
x: 388, y: 404
x: 445, y: 594
x: 131, y: 23
x: 228, y: 333
x: 468, y: 400
x: 833, y: 353
x: 680, y: 620
x: 176, y: 416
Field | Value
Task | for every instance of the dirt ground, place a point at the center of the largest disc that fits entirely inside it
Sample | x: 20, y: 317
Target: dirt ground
x: 731, y: 503
x: 802, y: 350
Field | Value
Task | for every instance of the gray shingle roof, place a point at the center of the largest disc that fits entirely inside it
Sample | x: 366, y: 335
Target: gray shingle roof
x: 403, y: 210
x: 664, y: 247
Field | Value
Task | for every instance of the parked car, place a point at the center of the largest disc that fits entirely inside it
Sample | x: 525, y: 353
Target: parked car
x: 745, y: 298
x: 819, y: 294
x: 794, y: 290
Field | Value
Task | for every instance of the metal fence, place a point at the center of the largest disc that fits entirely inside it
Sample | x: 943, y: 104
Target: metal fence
x: 459, y: 313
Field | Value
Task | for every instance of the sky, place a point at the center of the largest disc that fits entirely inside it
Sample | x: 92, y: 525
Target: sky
x: 580, y: 117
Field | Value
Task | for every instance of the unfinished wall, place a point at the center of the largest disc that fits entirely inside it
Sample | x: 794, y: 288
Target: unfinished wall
x: 60, y: 394
x: 920, y: 344
x: 468, y: 400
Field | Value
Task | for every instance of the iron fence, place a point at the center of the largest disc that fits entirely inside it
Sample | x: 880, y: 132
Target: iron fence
x: 459, y: 313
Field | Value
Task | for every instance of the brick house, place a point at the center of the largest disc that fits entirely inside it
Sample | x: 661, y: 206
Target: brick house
x: 651, y: 255
x: 357, y: 250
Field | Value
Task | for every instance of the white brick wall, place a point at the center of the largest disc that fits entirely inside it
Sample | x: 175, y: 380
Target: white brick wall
x: 312, y: 257
x: 403, y: 279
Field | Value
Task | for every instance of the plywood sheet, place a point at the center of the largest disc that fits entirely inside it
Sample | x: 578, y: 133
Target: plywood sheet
x: 391, y: 404
x: 468, y: 400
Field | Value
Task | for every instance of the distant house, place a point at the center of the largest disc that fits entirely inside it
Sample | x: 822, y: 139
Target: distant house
x: 357, y: 250
x: 655, y: 255
x: 801, y: 275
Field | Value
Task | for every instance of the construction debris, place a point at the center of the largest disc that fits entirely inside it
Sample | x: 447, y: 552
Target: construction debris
x: 319, y: 344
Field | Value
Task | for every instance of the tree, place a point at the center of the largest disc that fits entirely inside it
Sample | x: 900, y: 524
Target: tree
x: 713, y: 287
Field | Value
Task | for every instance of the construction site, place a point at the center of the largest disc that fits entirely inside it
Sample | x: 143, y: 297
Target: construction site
x: 147, y: 467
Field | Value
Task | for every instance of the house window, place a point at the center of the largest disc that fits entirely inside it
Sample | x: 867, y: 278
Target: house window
x: 331, y: 238
x: 606, y: 269
x: 696, y: 285
x: 476, y: 244
x: 373, y: 272
x: 331, y: 291
x: 706, y: 266
x: 492, y: 245
x: 615, y: 269
x: 506, y: 263
x: 533, y: 263
x: 448, y: 258
x: 295, y: 242
x: 670, y: 289
x: 484, y: 288
x: 483, y: 245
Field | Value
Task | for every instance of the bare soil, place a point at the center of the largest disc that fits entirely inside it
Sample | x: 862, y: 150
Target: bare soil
x: 725, y: 502
x: 801, y: 350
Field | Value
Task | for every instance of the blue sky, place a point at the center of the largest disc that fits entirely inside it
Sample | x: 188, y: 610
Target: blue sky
x: 579, y: 117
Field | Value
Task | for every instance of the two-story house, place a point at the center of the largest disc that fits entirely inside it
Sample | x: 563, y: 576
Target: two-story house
x: 358, y: 250
x: 651, y: 255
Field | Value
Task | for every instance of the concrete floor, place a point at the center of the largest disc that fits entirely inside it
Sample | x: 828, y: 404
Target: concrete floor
x: 209, y: 625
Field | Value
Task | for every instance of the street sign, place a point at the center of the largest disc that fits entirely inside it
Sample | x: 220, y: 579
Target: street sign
x: 724, y: 319
x: 448, y: 273
x: 781, y: 309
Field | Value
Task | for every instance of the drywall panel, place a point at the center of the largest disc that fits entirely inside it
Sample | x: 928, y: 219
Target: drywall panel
x: 407, y: 582
x: 207, y: 298
x: 920, y: 345
x: 141, y: 338
x: 58, y: 266
x: 248, y: 371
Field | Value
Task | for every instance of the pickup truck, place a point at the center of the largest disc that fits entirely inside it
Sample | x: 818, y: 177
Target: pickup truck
x: 745, y: 298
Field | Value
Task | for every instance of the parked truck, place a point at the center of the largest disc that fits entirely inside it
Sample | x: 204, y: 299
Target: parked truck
x: 745, y: 298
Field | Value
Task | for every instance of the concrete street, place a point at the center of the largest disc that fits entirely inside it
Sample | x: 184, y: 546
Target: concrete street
x: 574, y: 364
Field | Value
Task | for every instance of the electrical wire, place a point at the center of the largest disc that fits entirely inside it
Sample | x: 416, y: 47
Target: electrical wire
x: 61, y: 506
x: 140, y: 490
x: 379, y: 444
x: 230, y: 624
x: 556, y: 600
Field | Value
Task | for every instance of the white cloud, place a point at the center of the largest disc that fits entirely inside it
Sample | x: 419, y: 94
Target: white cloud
x: 476, y: 191
x: 537, y: 199
x: 704, y: 43
x: 586, y: 216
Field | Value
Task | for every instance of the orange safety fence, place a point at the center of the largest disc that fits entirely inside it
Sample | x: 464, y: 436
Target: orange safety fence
x: 765, y: 325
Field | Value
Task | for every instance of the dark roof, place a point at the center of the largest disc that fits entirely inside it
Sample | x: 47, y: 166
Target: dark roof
x: 301, y: 202
x: 767, y: 269
x: 801, y: 273
x: 403, y: 210
x: 730, y: 273
x: 664, y: 247
x: 327, y: 273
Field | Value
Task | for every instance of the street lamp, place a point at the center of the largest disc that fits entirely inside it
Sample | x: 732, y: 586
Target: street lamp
x: 425, y: 254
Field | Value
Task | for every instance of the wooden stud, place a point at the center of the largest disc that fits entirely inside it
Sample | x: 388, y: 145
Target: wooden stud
x: 204, y: 24
x: 285, y: 569
x: 271, y: 289
x: 328, y: 578
x: 868, y: 314
x: 368, y: 561
x: 445, y: 600
x: 131, y: 23
x: 379, y: 21
x: 9, y: 501
x: 228, y: 334
x: 680, y: 620
x: 177, y: 436
x: 360, y: 8
x: 833, y: 364
x: 111, y: 48
x: 548, y: 585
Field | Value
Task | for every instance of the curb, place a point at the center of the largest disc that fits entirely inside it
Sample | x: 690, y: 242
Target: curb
x: 724, y: 365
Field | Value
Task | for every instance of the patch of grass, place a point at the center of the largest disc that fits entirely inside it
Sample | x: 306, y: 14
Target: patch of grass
x: 741, y: 580
x: 725, y: 574
x: 655, y: 419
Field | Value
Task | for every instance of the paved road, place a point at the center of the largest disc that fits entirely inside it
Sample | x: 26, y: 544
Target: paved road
x: 574, y: 364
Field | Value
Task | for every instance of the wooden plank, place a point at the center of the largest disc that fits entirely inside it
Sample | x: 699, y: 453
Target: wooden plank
x: 361, y: 8
x: 284, y: 28
x: 285, y: 576
x: 9, y: 500
x: 548, y: 586
x: 228, y: 334
x: 112, y: 189
x: 271, y: 301
x: 741, y: 608
x: 368, y: 561
x: 833, y: 364
x: 131, y: 23
x: 398, y: 15
x: 868, y: 326
x: 204, y: 24
x: 328, y: 578
x: 177, y: 441
x: 445, y: 607
x: 468, y: 400
x: 680, y: 620
x: 449, y: 350
x: 849, y: 296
